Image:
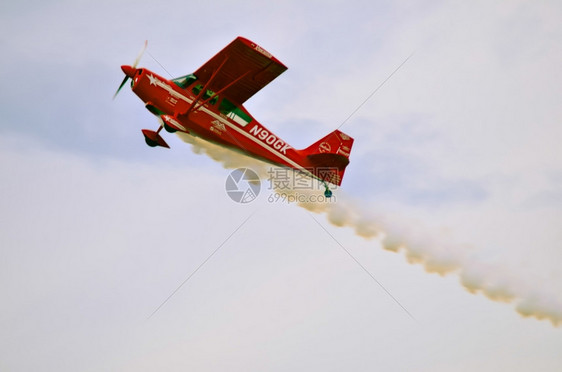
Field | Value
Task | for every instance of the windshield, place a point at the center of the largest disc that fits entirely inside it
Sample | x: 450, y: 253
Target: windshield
x: 184, y: 81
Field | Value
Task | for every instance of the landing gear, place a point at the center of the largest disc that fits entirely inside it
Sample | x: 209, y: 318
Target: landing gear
x: 327, y: 191
x: 169, y: 129
x: 153, y: 138
x: 150, y: 142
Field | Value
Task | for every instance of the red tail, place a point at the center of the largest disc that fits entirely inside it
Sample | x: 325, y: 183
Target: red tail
x: 328, y: 157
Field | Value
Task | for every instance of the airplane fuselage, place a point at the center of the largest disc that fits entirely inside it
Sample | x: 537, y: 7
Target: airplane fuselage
x: 236, y: 129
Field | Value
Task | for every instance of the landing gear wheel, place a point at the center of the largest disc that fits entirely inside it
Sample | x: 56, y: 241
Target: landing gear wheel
x: 150, y: 142
x: 327, y: 191
x: 169, y: 129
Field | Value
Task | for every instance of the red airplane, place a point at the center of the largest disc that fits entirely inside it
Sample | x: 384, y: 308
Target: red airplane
x: 209, y: 104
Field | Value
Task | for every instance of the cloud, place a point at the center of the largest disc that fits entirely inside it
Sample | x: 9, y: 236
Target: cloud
x: 464, y: 136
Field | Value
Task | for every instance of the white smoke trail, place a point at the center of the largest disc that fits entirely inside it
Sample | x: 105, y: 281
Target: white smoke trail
x: 414, y: 242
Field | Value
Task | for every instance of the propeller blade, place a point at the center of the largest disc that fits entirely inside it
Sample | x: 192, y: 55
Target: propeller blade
x: 120, y: 86
x: 140, y: 54
x: 134, y: 66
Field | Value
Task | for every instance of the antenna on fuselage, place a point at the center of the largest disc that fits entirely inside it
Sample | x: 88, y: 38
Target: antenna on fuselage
x: 374, y: 91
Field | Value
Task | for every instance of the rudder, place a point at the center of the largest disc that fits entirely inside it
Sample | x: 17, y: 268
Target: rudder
x: 328, y: 157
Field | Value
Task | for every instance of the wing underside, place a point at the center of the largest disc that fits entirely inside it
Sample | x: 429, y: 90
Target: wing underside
x: 240, y: 70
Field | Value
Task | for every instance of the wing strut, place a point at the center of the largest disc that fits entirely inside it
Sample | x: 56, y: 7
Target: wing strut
x: 196, y: 100
x: 199, y: 104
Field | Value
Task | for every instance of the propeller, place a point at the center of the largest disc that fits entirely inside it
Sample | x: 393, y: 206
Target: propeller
x: 131, y: 70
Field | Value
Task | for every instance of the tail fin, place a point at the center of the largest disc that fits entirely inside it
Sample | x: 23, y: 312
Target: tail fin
x: 328, y: 157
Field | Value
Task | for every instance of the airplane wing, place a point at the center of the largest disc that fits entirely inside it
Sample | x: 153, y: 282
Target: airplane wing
x: 240, y: 70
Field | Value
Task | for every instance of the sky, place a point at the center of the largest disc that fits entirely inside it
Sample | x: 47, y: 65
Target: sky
x: 456, y: 166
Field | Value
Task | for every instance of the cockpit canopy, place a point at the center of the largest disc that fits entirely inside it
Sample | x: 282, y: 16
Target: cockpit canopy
x: 226, y: 107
